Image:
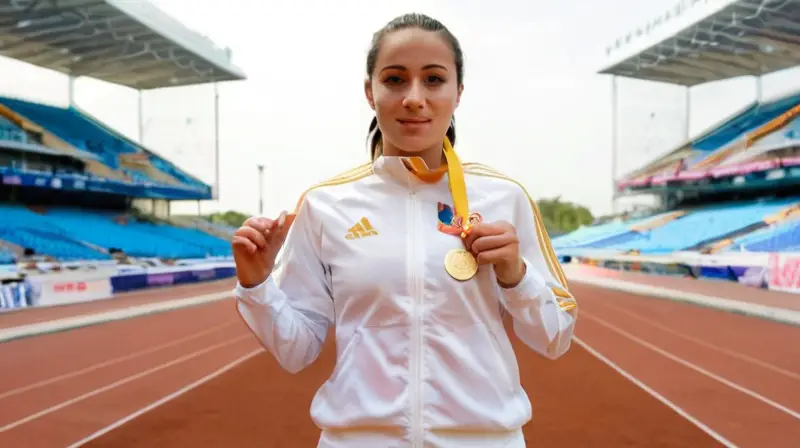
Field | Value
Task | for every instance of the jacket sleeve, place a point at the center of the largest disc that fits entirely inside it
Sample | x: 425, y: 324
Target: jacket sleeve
x: 542, y: 309
x: 291, y: 311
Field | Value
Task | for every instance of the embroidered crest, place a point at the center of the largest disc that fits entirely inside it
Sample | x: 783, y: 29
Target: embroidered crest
x: 451, y: 224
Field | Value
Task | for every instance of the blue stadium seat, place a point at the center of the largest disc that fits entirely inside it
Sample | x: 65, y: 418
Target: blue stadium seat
x: 70, y: 234
x: 83, y: 133
x: 6, y: 257
x: 698, y: 226
x: 685, y: 232
x: 135, y: 239
x: 599, y: 235
x: 753, y: 118
x: 784, y: 237
x: 29, y: 229
x: 215, y: 246
x: 71, y: 126
x: 587, y: 234
x: 9, y: 131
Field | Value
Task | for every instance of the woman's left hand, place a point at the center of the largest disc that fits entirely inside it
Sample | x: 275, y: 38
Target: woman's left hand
x: 497, y: 243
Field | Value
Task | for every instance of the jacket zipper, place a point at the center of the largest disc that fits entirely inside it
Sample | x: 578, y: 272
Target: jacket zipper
x: 416, y: 329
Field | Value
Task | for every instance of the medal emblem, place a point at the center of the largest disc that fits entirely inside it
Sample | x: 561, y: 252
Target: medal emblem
x: 460, y: 264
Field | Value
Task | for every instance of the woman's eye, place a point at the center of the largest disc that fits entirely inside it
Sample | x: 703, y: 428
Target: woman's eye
x: 433, y: 79
x: 393, y: 80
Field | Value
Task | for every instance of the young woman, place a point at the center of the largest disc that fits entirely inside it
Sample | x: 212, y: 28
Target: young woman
x: 414, y: 258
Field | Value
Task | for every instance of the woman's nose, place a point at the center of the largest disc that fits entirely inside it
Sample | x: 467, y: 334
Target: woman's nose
x: 415, y: 96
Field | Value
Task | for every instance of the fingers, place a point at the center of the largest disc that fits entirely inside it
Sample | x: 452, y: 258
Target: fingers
x: 282, y: 226
x: 259, y: 239
x: 246, y: 244
x: 483, y: 229
x: 487, y: 236
x: 490, y: 242
x: 259, y: 223
x: 494, y: 256
x: 257, y: 233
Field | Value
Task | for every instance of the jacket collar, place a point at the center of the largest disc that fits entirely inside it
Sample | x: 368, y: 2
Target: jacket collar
x: 408, y: 171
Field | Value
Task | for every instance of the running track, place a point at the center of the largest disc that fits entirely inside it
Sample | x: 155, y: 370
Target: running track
x: 643, y: 372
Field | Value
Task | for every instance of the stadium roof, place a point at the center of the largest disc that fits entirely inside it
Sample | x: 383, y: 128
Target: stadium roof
x: 699, y: 41
x: 130, y: 43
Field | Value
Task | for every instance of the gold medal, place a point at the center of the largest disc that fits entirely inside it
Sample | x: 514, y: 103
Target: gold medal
x: 460, y: 264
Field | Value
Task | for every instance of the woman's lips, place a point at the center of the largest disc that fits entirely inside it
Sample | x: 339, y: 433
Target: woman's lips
x: 414, y: 123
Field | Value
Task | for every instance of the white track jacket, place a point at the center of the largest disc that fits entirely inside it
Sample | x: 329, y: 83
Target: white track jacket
x: 423, y: 360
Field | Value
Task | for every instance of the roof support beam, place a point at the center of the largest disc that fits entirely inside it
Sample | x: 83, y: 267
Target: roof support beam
x: 127, y: 43
x: 741, y: 38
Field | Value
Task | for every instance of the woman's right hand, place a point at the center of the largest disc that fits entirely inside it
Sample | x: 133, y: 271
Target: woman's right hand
x: 255, y: 245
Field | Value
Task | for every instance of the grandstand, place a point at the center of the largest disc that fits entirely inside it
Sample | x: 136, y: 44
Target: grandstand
x: 73, y: 189
x: 733, y: 189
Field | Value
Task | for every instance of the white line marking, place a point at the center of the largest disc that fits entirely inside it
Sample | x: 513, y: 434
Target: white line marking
x: 782, y: 315
x: 718, y: 437
x: 166, y: 399
x: 697, y: 341
x: 121, y: 382
x: 69, y: 323
x: 696, y: 368
x: 111, y: 362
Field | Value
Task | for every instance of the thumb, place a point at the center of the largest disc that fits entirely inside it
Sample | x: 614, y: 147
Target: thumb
x: 281, y: 228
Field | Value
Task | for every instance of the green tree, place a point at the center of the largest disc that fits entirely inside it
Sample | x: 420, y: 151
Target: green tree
x: 231, y: 218
x: 563, y: 217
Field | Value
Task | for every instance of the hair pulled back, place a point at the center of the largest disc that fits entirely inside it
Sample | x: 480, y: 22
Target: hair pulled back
x: 423, y: 22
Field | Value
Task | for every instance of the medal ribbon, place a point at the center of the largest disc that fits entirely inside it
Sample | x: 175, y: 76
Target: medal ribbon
x: 458, y: 189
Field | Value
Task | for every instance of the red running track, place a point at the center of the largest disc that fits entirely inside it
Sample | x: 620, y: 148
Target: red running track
x: 711, y: 378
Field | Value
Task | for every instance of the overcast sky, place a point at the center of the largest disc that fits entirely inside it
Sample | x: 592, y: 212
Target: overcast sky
x: 533, y: 105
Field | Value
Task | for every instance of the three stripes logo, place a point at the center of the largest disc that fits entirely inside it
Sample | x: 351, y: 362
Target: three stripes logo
x: 362, y: 229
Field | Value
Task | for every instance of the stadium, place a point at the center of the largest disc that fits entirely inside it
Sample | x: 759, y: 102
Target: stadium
x: 118, y: 327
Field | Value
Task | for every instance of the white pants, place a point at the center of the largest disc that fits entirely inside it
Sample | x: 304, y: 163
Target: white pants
x: 513, y: 439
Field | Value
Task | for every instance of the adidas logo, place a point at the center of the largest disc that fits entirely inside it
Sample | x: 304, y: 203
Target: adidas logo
x: 362, y: 229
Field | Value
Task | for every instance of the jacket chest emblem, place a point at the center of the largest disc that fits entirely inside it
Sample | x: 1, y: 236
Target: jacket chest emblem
x: 451, y: 224
x: 362, y: 229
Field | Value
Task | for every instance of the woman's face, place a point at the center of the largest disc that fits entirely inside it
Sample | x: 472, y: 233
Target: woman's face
x: 414, y: 90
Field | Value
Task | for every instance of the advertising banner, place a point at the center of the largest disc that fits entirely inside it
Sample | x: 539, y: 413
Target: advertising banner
x: 61, y: 289
x: 17, y: 294
x: 784, y: 272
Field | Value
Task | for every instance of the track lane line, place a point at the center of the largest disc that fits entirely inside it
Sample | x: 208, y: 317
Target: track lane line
x: 81, y: 321
x: 166, y: 399
x: 694, y: 367
x: 723, y: 350
x: 769, y: 312
x: 680, y: 411
x: 112, y: 361
x: 121, y: 382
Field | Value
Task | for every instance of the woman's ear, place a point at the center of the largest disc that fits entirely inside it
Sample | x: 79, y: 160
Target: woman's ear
x: 368, y: 93
x: 458, y: 97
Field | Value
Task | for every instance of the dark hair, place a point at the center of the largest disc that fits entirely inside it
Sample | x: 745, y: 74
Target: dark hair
x: 426, y: 23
